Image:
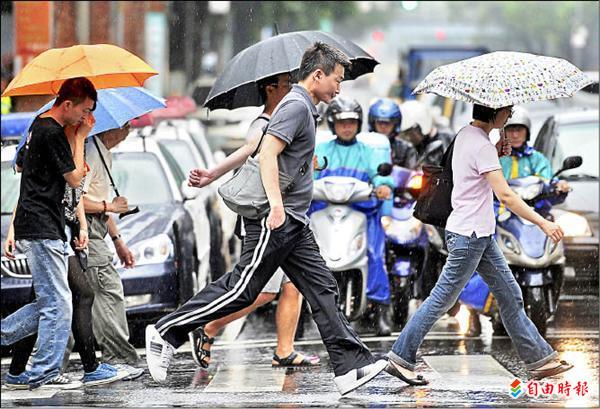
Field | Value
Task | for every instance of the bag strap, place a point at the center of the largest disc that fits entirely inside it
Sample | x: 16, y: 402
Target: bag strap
x: 261, y: 139
x: 446, y: 161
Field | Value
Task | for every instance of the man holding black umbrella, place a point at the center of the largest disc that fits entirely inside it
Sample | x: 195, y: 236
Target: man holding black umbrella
x: 272, y: 90
x: 282, y: 239
x: 110, y: 321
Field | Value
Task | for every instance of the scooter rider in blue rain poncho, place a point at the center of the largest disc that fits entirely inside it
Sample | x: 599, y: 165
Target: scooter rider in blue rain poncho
x: 523, y: 161
x: 385, y: 118
x: 348, y: 157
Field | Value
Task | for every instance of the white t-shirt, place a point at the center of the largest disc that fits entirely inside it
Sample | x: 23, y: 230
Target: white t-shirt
x: 97, y: 183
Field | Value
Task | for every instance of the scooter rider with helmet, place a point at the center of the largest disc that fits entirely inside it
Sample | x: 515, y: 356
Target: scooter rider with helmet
x: 385, y: 117
x: 348, y: 157
x: 417, y: 128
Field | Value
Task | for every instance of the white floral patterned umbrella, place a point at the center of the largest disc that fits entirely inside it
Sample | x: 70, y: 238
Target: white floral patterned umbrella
x: 504, y: 78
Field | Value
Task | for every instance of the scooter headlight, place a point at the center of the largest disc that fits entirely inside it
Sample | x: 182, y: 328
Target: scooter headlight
x: 386, y: 222
x: 338, y: 192
x: 405, y: 230
x: 528, y: 192
x: 574, y: 225
x: 510, y: 243
x: 357, y: 243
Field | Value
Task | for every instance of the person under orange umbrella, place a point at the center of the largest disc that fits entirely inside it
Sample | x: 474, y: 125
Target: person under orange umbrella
x: 39, y: 225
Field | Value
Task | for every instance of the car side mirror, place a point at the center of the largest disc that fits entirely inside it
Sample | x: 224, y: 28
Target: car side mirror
x: 188, y: 192
x: 570, y: 162
x: 384, y: 169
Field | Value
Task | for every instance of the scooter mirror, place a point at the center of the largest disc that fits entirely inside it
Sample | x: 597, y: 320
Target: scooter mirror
x: 570, y: 162
x: 384, y: 169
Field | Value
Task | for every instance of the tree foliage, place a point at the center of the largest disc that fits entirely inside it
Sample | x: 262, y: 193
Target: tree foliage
x: 541, y: 27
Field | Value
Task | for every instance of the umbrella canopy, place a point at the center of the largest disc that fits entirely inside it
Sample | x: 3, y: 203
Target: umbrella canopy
x: 115, y: 107
x: 505, y: 78
x: 237, y: 85
x: 106, y: 65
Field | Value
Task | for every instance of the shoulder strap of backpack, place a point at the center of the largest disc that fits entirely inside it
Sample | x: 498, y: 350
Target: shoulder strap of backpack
x: 263, y: 116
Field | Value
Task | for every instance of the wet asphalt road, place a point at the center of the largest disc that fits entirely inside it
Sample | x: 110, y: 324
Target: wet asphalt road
x: 462, y: 372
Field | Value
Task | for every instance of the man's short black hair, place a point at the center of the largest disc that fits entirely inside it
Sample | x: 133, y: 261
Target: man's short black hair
x: 485, y: 114
x: 323, y: 56
x: 262, y: 85
x: 77, y: 90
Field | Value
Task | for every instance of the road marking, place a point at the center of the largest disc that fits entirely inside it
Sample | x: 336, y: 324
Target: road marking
x: 8, y: 394
x: 578, y: 297
x: 247, y: 378
x: 433, y: 336
x: 463, y: 372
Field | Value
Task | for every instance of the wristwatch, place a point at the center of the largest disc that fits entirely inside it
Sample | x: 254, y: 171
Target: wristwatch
x: 115, y: 238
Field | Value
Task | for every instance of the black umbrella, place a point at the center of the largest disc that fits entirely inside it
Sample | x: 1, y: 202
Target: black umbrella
x: 237, y: 86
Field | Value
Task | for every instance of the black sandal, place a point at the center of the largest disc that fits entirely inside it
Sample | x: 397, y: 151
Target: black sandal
x: 392, y: 370
x: 198, y: 338
x: 289, y: 361
x: 563, y: 366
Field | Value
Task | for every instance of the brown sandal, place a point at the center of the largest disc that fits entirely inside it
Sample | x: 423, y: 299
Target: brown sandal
x: 563, y: 366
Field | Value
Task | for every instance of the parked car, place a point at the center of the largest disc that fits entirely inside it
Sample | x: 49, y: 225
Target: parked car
x: 15, y: 279
x: 568, y: 134
x: 182, y: 156
x: 160, y: 236
x: 226, y: 130
x: 211, y: 157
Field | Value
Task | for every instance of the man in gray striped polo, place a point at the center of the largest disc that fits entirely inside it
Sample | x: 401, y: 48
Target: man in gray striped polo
x: 282, y: 239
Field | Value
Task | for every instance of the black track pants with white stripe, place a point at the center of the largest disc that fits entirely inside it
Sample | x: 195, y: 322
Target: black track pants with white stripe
x: 293, y: 247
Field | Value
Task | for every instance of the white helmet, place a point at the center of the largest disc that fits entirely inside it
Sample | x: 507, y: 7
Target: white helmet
x: 520, y: 116
x: 416, y: 113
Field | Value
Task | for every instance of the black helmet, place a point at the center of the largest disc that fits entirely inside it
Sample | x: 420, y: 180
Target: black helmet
x: 343, y: 108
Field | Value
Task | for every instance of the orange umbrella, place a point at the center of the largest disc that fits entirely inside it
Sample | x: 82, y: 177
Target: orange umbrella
x: 106, y: 65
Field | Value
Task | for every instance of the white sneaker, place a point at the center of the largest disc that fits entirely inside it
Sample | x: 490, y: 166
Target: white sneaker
x: 357, y: 377
x: 131, y: 372
x: 158, y: 354
x: 61, y: 382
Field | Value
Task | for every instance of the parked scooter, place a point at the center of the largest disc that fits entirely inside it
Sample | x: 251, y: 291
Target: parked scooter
x: 536, y: 262
x: 341, y: 233
x: 406, y: 244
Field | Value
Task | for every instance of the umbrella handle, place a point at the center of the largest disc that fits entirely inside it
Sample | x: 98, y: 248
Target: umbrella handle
x: 128, y: 212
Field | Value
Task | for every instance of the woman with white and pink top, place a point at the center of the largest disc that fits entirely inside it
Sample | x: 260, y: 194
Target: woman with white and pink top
x: 477, y: 175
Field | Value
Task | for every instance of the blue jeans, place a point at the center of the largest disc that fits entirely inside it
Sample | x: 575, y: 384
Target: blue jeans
x: 465, y: 255
x: 49, y: 315
x: 378, y: 282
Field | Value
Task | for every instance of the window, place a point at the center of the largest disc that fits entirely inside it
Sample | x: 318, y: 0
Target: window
x: 134, y: 172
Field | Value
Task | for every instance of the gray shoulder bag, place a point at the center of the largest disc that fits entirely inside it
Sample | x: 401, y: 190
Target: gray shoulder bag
x: 245, y: 194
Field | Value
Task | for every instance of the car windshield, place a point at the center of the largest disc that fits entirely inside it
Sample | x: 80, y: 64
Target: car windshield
x: 133, y: 172
x: 181, y: 150
x: 579, y: 139
x: 10, y: 188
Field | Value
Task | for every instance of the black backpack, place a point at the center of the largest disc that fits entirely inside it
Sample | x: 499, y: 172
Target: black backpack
x: 434, y: 203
